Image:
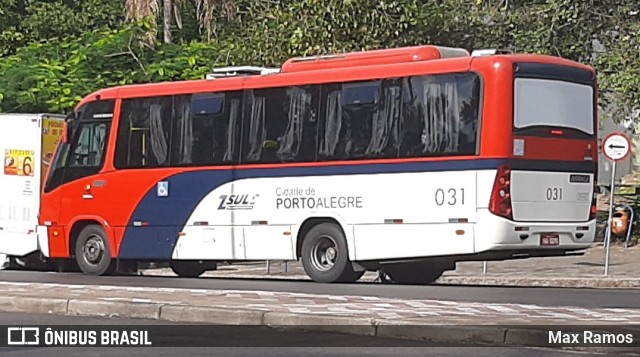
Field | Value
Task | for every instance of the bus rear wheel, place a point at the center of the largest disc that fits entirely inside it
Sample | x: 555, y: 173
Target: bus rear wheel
x: 413, y: 274
x: 325, y: 257
x: 93, y: 253
x: 191, y: 268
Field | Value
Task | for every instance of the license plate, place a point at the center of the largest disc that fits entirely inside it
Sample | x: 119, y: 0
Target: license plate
x: 550, y: 239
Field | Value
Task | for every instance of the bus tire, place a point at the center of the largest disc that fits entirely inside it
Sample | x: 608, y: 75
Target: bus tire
x: 413, y: 274
x: 325, y: 257
x: 190, y: 268
x: 93, y: 252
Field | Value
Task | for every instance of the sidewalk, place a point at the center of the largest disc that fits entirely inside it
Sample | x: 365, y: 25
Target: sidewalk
x: 438, y: 321
x: 574, y: 271
x: 441, y: 321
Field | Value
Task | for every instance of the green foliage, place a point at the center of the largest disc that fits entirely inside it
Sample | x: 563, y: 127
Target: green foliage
x: 56, y: 51
x: 25, y: 21
x: 619, y: 69
x: 270, y: 32
x: 54, y: 76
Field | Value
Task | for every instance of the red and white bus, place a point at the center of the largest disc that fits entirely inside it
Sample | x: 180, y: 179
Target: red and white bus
x: 405, y: 160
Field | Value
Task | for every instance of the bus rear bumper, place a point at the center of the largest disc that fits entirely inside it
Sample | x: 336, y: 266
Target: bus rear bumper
x: 495, y: 233
x: 18, y: 244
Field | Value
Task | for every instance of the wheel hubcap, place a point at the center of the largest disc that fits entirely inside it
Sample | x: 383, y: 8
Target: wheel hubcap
x: 324, y: 253
x: 93, y: 250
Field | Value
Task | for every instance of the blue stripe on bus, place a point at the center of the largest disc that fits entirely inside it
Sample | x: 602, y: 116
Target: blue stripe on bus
x: 167, y: 215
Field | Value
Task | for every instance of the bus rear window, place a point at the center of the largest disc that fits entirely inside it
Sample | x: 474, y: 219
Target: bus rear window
x: 553, y: 103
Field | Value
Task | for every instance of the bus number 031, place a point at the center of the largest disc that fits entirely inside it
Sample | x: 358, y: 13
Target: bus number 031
x: 554, y: 194
x: 450, y: 196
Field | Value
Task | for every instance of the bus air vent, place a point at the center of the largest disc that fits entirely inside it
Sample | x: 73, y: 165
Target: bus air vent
x: 489, y: 52
x: 224, y: 72
x: 374, y: 57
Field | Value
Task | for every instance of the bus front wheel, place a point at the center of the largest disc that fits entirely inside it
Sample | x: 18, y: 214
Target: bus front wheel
x: 93, y: 253
x: 325, y: 257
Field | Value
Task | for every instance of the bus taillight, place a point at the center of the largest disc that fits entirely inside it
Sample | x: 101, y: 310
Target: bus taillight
x: 594, y: 199
x: 501, y: 195
x: 594, y: 206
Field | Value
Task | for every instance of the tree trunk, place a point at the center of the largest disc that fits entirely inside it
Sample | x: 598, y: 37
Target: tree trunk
x: 167, y: 17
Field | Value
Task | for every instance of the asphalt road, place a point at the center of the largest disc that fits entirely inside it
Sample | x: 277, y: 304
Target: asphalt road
x: 588, y: 298
x: 373, y: 346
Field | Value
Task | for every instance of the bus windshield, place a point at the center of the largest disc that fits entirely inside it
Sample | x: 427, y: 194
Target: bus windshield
x: 54, y: 177
x: 83, y: 154
x: 553, y: 103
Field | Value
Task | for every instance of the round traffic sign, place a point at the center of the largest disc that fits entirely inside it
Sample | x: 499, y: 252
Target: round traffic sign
x: 616, y: 146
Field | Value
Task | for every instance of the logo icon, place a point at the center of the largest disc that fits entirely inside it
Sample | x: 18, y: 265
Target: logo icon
x: 23, y: 336
x: 236, y: 202
x: 163, y: 189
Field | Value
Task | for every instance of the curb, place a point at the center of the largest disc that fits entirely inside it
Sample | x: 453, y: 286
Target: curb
x: 586, y: 282
x: 177, y: 313
x: 454, y: 335
x: 323, y: 323
x: 595, y: 283
x: 113, y: 309
x: 34, y: 305
x: 482, y: 335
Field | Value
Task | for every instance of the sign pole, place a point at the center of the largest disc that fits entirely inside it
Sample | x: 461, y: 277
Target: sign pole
x: 616, y: 147
x: 607, y: 240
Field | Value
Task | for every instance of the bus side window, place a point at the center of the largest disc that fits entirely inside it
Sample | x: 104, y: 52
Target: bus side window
x: 359, y: 120
x: 385, y: 124
x: 253, y: 127
x: 144, y: 132
x: 298, y: 141
x: 280, y: 125
x: 440, y: 115
x: 359, y: 106
x: 208, y: 132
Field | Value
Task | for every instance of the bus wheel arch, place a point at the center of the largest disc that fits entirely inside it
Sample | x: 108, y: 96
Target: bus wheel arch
x: 323, y: 248
x: 311, y: 222
x: 91, y: 248
x: 77, y: 227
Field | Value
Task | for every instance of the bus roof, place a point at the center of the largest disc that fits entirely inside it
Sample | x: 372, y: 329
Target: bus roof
x: 375, y: 57
x: 330, y: 69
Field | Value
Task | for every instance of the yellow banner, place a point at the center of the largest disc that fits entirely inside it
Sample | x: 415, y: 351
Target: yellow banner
x: 51, y: 133
x: 18, y: 162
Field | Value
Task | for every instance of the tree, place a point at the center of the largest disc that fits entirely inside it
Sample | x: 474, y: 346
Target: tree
x: 167, y: 20
x: 198, y: 34
x: 205, y: 11
x: 53, y: 77
x: 138, y: 10
x: 26, y: 21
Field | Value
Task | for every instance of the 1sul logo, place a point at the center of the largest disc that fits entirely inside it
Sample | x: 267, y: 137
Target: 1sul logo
x: 233, y: 202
